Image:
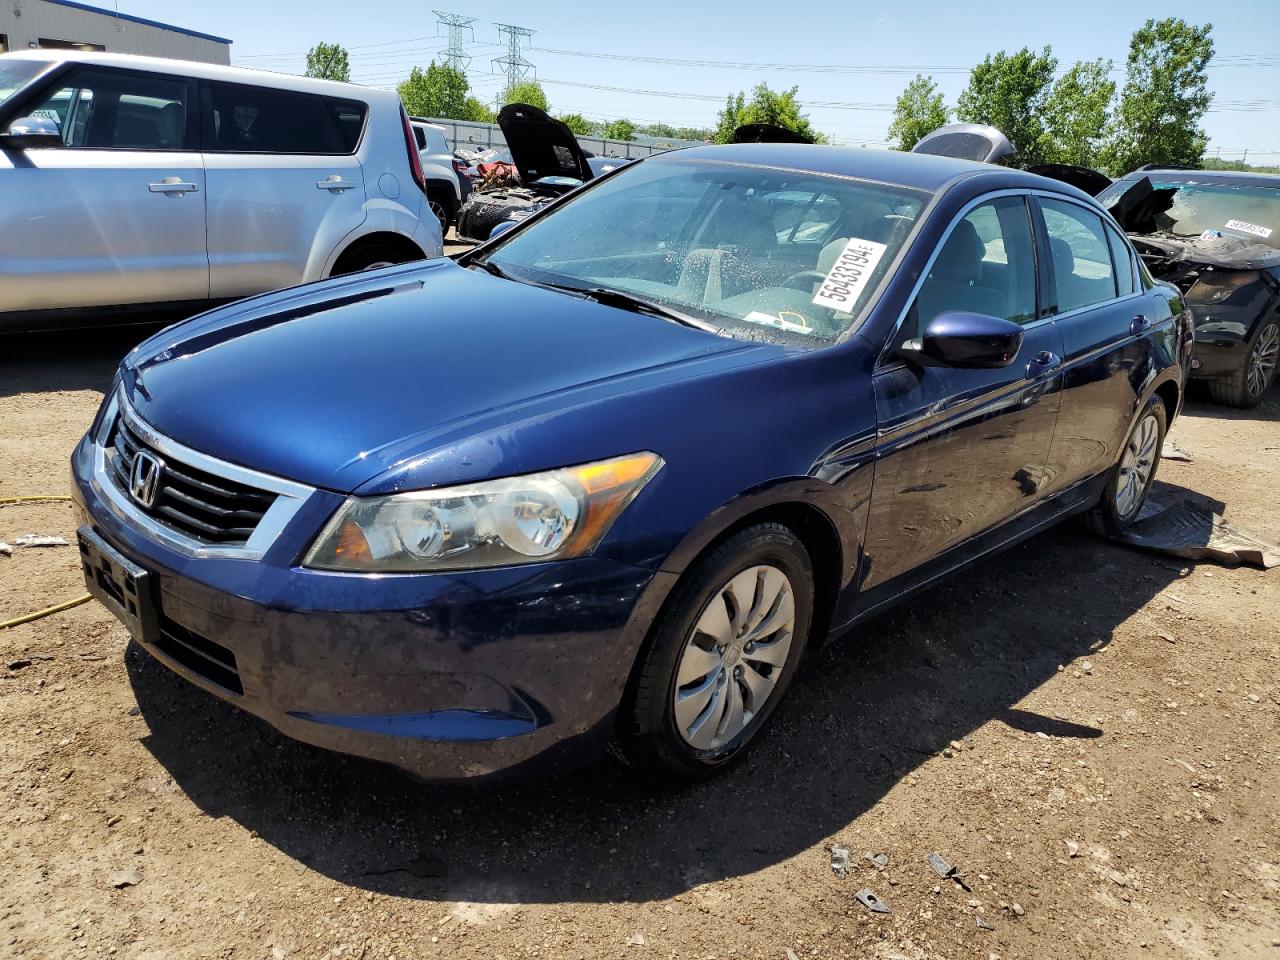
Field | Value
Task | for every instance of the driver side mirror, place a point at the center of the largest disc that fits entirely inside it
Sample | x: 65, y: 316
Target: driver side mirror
x: 27, y: 132
x: 958, y: 338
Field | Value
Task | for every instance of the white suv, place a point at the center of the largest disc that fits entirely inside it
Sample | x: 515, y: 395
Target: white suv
x: 132, y: 182
x: 440, y: 169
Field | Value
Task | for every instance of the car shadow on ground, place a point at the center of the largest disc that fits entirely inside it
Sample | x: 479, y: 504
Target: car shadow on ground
x: 82, y: 359
x: 1199, y: 405
x: 862, y: 716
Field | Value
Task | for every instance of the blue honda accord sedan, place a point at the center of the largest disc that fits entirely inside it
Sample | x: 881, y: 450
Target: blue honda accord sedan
x: 605, y: 478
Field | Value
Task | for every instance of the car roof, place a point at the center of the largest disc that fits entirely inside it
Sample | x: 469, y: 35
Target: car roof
x: 919, y: 170
x: 204, y: 71
x: 1206, y: 176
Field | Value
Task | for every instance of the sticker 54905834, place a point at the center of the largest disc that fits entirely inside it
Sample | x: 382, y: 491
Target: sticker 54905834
x: 848, y: 276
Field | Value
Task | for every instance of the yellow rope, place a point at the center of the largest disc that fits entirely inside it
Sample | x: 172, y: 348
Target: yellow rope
x: 56, y: 608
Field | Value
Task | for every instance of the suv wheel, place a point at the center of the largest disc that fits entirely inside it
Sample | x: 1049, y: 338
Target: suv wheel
x: 720, y: 656
x: 1131, y: 478
x: 443, y: 206
x: 370, y: 256
x: 1245, y: 387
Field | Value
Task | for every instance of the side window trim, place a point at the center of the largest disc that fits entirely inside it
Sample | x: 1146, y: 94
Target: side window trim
x: 886, y: 358
x: 69, y: 76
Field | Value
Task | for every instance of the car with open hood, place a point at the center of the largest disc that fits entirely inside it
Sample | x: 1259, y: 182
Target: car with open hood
x: 548, y: 162
x: 1216, y: 236
x: 585, y: 486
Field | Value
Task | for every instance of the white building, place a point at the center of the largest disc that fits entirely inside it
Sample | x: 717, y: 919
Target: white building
x: 67, y: 25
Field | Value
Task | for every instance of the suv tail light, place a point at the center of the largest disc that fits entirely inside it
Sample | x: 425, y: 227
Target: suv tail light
x: 459, y: 167
x: 410, y: 144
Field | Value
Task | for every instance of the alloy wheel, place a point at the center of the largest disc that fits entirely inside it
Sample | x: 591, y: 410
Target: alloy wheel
x: 1137, y: 465
x: 734, y: 656
x: 438, y: 210
x: 1261, y: 364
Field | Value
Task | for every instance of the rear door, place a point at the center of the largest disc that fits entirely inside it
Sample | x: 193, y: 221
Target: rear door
x: 1104, y: 313
x: 117, y: 214
x: 285, y: 185
x: 962, y: 450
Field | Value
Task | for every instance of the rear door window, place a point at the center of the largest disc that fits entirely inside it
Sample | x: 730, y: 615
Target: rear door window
x: 1126, y: 282
x: 245, y: 119
x: 1082, y: 269
x: 105, y: 110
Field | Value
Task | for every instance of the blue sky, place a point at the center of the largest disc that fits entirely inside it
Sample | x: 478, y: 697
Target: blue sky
x: 386, y: 37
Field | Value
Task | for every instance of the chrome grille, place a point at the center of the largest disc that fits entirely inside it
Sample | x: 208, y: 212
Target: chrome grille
x: 205, y: 507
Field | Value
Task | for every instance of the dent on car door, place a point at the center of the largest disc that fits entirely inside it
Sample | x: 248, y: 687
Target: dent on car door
x: 1106, y: 317
x: 284, y: 184
x: 960, y: 450
x: 116, y: 215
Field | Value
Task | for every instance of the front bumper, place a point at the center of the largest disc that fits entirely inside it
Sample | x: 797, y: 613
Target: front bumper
x: 449, y: 676
x: 1218, y: 353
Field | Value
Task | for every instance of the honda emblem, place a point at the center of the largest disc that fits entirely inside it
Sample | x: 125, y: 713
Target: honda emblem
x: 144, y: 479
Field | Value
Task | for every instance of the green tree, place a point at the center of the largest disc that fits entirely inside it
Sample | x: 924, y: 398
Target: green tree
x: 1076, y: 113
x: 526, y: 91
x: 577, y: 123
x: 765, y: 106
x: 439, y: 91
x: 620, y: 130
x: 920, y: 109
x: 475, y: 110
x: 1009, y: 91
x: 1165, y: 97
x: 328, y: 61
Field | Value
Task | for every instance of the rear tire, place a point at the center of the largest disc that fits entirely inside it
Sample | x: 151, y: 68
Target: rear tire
x: 443, y: 205
x: 371, y: 256
x: 1246, y: 387
x: 719, y: 658
x: 1130, y: 480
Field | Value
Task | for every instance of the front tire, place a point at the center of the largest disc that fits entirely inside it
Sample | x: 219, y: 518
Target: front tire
x: 1130, y: 480
x: 1246, y: 386
x: 720, y: 656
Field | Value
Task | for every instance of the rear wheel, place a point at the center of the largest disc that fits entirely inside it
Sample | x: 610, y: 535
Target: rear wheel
x: 1130, y: 480
x: 720, y: 656
x: 1245, y: 387
x: 443, y: 206
x: 371, y: 256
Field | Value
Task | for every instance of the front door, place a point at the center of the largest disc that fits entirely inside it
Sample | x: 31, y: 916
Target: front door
x: 117, y: 214
x: 959, y: 451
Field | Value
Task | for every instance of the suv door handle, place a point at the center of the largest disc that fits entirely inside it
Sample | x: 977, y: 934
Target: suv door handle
x: 1140, y: 325
x: 1042, y: 363
x: 334, y: 184
x: 173, y: 185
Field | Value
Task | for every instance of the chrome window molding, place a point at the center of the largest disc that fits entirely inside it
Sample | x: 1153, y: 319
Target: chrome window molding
x: 885, y: 362
x: 290, y: 496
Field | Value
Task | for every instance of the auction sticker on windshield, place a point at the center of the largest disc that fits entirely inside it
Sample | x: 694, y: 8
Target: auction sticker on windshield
x: 848, y: 276
x: 1245, y: 227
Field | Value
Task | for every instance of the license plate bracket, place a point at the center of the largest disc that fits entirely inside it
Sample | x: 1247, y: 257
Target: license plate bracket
x: 119, y: 584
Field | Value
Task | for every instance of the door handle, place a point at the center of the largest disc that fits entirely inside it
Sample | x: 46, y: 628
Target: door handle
x: 334, y: 184
x: 1042, y: 363
x: 1140, y: 325
x: 173, y: 185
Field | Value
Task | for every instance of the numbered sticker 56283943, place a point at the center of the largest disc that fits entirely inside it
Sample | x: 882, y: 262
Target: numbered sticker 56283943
x: 848, y: 276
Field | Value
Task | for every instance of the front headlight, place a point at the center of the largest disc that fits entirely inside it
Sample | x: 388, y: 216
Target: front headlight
x: 496, y: 523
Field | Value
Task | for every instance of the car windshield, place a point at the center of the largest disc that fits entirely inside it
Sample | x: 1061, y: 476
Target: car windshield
x: 16, y: 74
x: 753, y: 253
x: 1190, y: 209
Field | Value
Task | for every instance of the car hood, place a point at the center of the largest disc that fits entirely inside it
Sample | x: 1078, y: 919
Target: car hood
x: 541, y: 146
x: 335, y: 383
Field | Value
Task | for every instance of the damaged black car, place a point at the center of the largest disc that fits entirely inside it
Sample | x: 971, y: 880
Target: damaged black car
x: 546, y: 162
x: 1216, y: 236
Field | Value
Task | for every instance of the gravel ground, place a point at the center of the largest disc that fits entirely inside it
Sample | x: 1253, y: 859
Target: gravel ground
x: 1090, y: 733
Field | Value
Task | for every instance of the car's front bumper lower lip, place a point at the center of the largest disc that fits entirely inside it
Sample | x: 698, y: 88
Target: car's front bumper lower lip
x: 448, y: 676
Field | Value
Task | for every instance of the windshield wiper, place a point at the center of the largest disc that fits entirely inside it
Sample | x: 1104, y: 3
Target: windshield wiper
x: 488, y: 266
x: 629, y: 301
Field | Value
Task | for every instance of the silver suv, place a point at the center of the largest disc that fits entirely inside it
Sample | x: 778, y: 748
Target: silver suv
x: 132, y: 182
x: 440, y: 168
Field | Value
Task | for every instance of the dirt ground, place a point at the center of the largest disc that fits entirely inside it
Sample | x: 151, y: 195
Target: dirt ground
x: 1092, y: 734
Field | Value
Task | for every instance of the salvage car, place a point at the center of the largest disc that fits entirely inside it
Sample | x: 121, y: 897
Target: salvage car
x: 1216, y: 236
x: 548, y: 162
x: 583, y: 486
x: 144, y: 185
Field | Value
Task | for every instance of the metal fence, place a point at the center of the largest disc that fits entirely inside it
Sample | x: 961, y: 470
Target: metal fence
x: 466, y: 133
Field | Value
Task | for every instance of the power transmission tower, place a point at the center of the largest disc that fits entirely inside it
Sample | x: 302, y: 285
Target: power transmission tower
x: 514, y: 63
x: 454, y: 55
